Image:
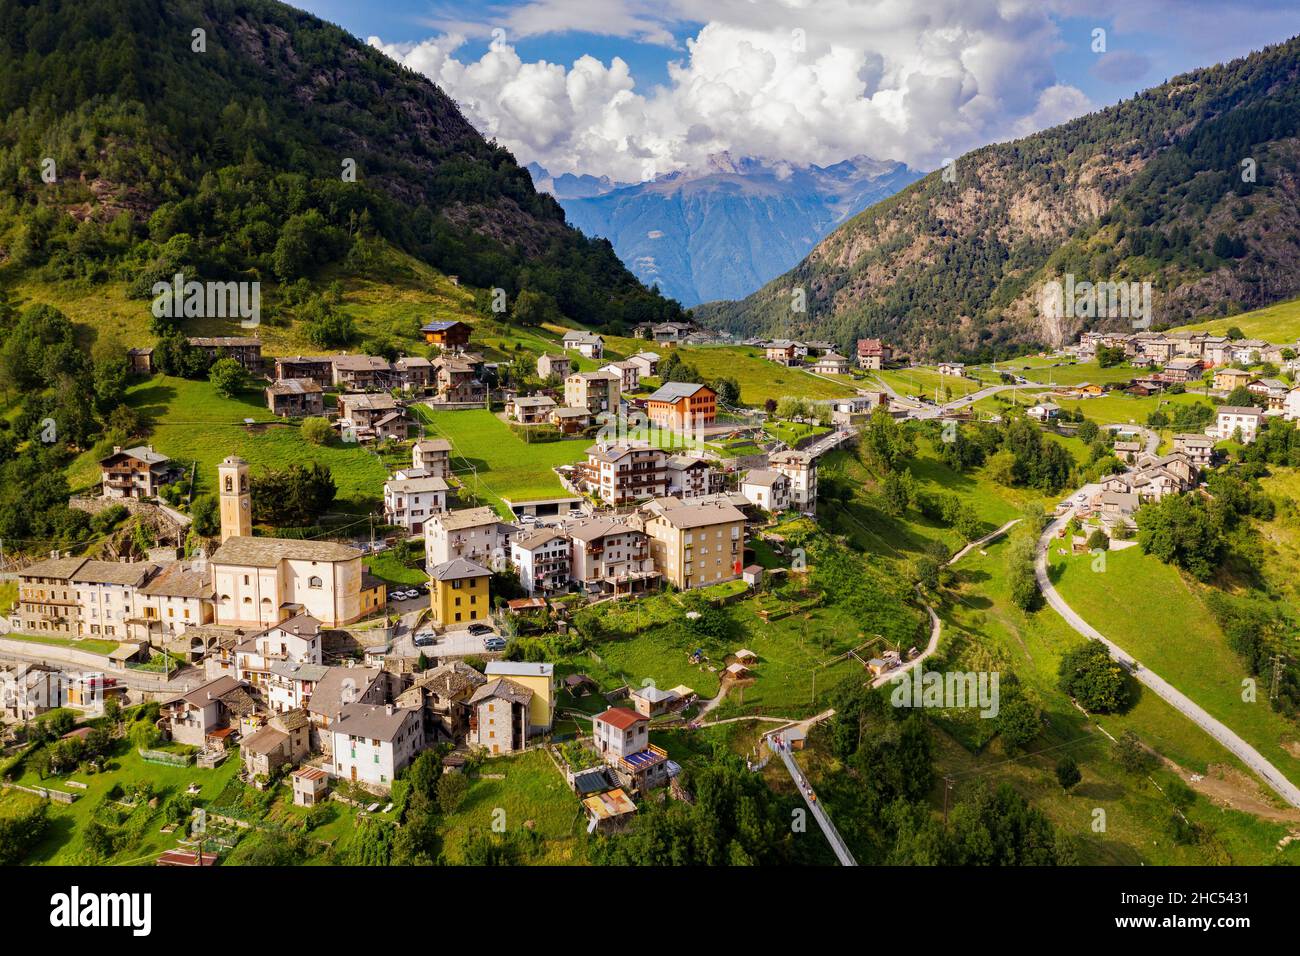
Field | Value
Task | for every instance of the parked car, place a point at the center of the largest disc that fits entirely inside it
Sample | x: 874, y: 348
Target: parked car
x: 477, y: 629
x: 495, y: 644
x: 425, y: 640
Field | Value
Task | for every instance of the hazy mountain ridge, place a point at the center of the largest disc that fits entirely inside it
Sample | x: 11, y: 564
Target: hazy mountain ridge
x: 722, y: 230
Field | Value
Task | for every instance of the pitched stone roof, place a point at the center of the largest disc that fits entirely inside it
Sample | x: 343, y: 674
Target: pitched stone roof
x: 457, y: 569
x: 177, y: 579
x: 466, y: 518
x: 503, y: 688
x: 268, y: 552
x: 327, y: 698
x: 372, y: 720
x: 132, y: 573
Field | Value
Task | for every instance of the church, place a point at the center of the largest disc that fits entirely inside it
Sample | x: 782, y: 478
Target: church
x: 259, y: 582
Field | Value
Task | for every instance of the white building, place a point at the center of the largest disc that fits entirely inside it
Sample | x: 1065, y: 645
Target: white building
x: 432, y: 456
x: 801, y: 468
x: 476, y: 534
x: 621, y: 474
x: 373, y: 743
x: 289, y: 685
x: 609, y: 555
x: 629, y: 374
x: 409, y: 502
x: 586, y: 344
x: 1291, y: 405
x: 769, y: 490
x: 1233, y: 417
x: 688, y: 476
x: 261, y: 581
x: 647, y: 363
x: 542, y: 560
x: 107, y: 593
x: 295, y: 641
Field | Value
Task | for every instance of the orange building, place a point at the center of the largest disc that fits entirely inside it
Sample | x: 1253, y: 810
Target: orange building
x: 679, y: 405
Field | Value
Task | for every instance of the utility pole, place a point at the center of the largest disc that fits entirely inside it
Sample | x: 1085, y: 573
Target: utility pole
x: 947, y: 788
x: 1277, y: 676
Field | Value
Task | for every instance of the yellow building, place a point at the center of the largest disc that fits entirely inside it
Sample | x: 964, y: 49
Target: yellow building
x: 538, y: 678
x: 458, y: 592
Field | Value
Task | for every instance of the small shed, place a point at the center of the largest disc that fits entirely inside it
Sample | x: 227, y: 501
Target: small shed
x: 580, y: 685
x: 752, y: 575
x: 746, y: 656
x: 608, y: 810
x: 310, y: 785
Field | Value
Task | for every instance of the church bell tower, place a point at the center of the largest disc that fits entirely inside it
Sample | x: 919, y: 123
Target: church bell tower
x: 236, y: 502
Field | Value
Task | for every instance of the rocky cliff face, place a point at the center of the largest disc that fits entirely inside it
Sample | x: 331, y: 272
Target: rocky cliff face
x: 1190, y: 186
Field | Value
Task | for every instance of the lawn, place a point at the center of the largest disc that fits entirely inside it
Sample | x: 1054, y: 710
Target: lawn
x: 398, y: 295
x: 1275, y: 323
x: 874, y: 531
x: 1060, y: 372
x: 89, y: 644
x: 650, y: 642
x: 1281, y: 536
x: 927, y: 382
x: 384, y: 565
x: 793, y: 432
x: 758, y: 378
x: 493, y: 463
x: 1177, y: 638
x: 1122, y: 409
x: 192, y: 423
x: 527, y: 795
x: 63, y: 844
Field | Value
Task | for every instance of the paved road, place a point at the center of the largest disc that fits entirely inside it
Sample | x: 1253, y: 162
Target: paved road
x: 828, y: 442
x: 1180, y: 701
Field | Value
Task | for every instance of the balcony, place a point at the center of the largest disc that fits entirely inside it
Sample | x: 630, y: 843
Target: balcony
x: 643, y: 760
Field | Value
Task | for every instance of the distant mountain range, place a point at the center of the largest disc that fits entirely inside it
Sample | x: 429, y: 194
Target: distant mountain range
x: 722, y: 230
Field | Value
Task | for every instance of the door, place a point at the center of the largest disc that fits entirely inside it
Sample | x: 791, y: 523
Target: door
x: 354, y: 773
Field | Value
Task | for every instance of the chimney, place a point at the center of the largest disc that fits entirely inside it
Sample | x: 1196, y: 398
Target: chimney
x: 388, y: 709
x: 117, y: 449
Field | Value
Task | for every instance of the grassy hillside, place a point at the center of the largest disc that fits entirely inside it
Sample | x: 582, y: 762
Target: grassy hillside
x: 1276, y: 323
x: 192, y: 423
x: 1180, y: 641
x: 984, y: 630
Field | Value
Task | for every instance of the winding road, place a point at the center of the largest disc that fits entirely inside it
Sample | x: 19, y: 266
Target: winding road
x: 1243, y: 751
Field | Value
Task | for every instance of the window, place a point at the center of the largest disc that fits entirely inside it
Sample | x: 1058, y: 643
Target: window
x: 314, y: 582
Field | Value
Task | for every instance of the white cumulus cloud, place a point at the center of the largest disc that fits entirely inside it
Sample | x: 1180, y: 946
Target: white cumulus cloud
x: 776, y: 79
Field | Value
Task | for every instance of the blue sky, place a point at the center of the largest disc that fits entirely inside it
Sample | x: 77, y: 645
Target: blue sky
x: 631, y: 88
